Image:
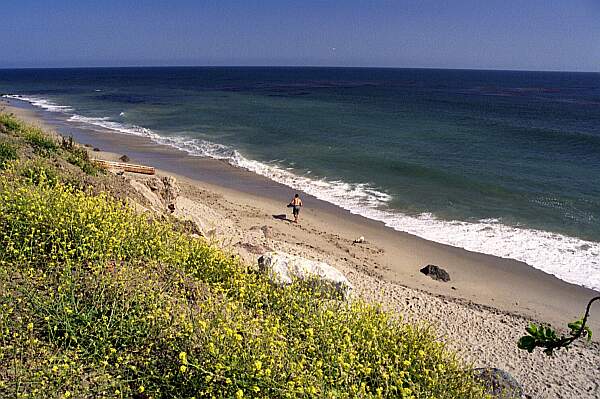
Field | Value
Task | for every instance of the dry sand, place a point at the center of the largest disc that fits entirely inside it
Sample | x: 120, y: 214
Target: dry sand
x: 481, y: 313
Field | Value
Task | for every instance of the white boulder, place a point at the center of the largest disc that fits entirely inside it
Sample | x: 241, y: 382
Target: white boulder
x: 283, y: 268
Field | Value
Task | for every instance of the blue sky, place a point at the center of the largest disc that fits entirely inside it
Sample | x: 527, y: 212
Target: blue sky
x: 486, y: 34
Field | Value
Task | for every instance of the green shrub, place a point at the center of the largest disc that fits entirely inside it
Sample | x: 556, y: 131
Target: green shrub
x: 79, y: 157
x: 10, y: 124
x: 99, y: 301
x: 67, y: 143
x: 37, y: 172
x: 8, y: 152
x: 45, y: 145
x: 89, y: 169
x: 42, y: 144
x: 74, y: 160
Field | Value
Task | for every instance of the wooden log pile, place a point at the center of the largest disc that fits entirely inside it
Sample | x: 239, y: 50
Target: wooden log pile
x: 126, y: 167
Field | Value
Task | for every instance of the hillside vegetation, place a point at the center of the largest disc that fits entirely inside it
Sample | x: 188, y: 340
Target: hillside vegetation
x: 98, y: 301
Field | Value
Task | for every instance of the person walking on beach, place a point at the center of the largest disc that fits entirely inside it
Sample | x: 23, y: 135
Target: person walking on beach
x: 296, y: 203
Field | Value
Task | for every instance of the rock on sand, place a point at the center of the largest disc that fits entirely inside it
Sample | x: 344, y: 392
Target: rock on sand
x: 283, y: 268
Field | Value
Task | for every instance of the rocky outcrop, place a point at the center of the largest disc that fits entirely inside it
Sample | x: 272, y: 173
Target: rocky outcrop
x: 284, y: 268
x: 163, y: 194
x: 436, y: 273
x: 165, y: 187
x: 206, y: 219
x: 171, y: 189
x: 152, y: 198
x: 499, y: 384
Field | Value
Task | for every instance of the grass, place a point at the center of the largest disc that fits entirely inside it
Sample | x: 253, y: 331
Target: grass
x: 8, y: 152
x: 10, y: 124
x: 79, y: 157
x: 42, y: 144
x: 98, y: 301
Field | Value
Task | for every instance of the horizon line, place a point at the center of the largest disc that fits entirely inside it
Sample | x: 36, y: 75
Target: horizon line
x: 296, y: 66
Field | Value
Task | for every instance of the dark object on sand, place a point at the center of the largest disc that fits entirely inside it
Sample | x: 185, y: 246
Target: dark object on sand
x: 499, y: 383
x: 125, y: 158
x: 436, y: 273
x: 359, y: 240
x: 96, y: 149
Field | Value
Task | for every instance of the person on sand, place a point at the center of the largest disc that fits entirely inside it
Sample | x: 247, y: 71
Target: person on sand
x: 295, y: 204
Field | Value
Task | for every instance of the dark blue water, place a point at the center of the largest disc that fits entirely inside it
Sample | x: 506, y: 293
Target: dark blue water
x: 500, y: 162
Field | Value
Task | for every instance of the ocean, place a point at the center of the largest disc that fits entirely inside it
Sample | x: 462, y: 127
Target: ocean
x: 501, y: 162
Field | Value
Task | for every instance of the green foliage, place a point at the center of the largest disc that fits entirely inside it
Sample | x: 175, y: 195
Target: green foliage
x: 83, y: 163
x: 78, y: 156
x: 577, y: 325
x: 539, y: 335
x: 10, y: 123
x: 37, y: 172
x: 8, y: 152
x: 98, y: 301
x: 546, y: 337
x: 41, y: 143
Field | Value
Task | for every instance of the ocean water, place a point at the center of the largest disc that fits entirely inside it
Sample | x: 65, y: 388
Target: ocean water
x: 499, y: 162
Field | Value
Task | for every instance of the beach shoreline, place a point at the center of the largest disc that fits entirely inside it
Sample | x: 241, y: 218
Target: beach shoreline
x: 512, y: 204
x: 488, y: 299
x: 472, y: 270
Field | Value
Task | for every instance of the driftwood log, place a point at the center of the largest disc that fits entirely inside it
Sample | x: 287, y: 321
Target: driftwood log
x: 127, y: 167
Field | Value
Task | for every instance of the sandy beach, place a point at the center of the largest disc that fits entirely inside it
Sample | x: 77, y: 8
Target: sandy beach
x: 480, y: 313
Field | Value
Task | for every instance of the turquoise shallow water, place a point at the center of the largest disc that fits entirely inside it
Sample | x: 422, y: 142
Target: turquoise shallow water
x: 506, y: 163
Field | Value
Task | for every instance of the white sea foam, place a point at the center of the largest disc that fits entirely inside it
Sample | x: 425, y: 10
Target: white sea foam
x: 571, y: 259
x: 41, y: 103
